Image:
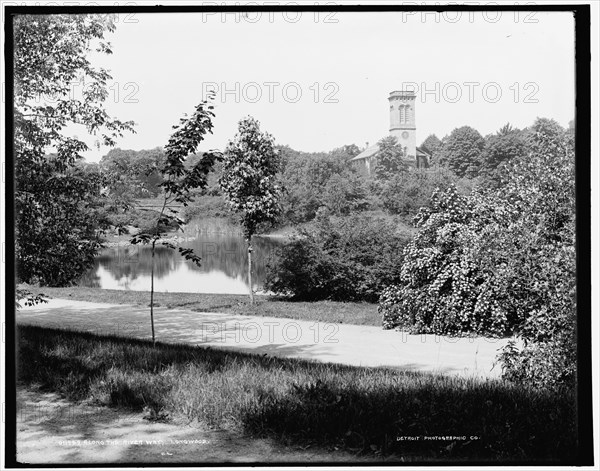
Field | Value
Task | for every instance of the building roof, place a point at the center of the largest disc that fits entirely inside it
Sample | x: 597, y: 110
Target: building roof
x: 368, y: 152
x: 423, y: 152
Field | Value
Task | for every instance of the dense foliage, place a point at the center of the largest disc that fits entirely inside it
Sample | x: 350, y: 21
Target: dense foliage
x: 500, y: 262
x: 390, y: 159
x: 432, y: 144
x: 56, y: 200
x: 462, y: 151
x: 348, y: 259
x: 345, y: 193
x: 406, y: 193
x: 136, y: 174
x: 540, y: 255
x: 443, y: 289
x: 58, y: 221
x: 500, y: 149
x: 306, y: 178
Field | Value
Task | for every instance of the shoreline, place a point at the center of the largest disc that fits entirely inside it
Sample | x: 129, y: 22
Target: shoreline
x: 123, y: 240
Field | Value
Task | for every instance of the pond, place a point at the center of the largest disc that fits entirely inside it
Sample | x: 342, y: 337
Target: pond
x: 224, y: 268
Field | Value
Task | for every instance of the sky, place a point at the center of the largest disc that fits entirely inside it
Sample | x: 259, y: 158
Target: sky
x: 320, y: 81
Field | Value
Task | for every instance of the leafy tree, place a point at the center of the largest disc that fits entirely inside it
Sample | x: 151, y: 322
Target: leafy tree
x: 347, y: 152
x: 248, y: 181
x: 122, y: 187
x: 432, y: 144
x: 130, y: 176
x: 407, y: 192
x: 547, y: 136
x: 306, y: 177
x: 139, y: 171
x: 507, y: 144
x: 56, y: 223
x: 178, y: 183
x: 462, y: 151
x: 344, y: 193
x: 390, y: 159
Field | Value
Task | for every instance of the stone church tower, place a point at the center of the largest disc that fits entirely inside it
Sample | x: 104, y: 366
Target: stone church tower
x: 402, y: 121
x: 404, y: 128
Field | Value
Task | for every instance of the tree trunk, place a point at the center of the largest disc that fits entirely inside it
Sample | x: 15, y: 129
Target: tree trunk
x: 250, y: 270
x: 152, y: 295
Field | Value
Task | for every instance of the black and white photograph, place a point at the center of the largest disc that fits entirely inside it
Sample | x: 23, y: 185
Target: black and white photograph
x: 285, y: 234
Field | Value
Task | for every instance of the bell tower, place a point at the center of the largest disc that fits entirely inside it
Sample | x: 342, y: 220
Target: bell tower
x: 402, y: 121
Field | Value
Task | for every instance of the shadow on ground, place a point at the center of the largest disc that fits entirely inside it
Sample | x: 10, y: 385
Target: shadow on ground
x: 327, y: 342
x: 375, y: 412
x: 52, y: 430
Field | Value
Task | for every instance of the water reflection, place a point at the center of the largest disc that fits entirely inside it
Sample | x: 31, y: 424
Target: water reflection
x: 223, y: 270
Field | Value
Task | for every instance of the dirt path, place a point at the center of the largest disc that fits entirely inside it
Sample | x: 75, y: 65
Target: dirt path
x: 336, y: 343
x: 51, y: 430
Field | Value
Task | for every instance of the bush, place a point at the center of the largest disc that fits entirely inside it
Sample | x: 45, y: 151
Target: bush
x: 144, y: 220
x: 443, y: 288
x: 544, y: 266
x: 501, y: 262
x: 206, y: 207
x: 350, y: 259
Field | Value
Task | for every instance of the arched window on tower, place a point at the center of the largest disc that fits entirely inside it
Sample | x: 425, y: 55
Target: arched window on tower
x: 402, y: 114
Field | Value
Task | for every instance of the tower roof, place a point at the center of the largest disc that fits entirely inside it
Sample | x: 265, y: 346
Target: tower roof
x: 402, y: 94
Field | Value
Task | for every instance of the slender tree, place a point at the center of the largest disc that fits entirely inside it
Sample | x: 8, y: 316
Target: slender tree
x: 178, y: 184
x: 248, y: 180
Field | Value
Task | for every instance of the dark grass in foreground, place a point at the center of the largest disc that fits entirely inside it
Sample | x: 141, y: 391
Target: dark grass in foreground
x: 298, y: 402
x: 318, y: 311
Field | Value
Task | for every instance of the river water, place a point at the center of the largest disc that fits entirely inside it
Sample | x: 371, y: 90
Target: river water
x: 224, y: 266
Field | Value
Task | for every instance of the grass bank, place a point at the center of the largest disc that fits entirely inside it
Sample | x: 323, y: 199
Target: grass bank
x: 270, y: 306
x: 296, y: 402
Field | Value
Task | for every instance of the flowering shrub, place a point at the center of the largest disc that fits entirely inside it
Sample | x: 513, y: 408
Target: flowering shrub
x: 500, y: 262
x: 544, y: 260
x: 443, y: 286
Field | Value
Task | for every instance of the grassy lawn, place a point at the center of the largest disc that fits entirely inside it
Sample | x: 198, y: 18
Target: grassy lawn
x: 296, y: 402
x: 321, y: 311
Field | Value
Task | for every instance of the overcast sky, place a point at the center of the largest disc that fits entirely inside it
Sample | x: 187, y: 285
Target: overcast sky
x: 319, y: 82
